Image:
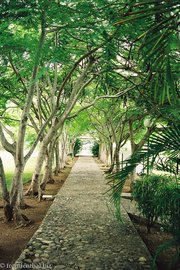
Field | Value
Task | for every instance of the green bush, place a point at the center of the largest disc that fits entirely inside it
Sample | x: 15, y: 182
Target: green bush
x: 169, y: 198
x: 158, y: 198
x: 95, y: 149
x: 145, y: 193
x: 77, y: 147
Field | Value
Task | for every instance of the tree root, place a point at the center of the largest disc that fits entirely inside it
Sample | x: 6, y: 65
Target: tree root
x: 51, y: 181
x: 25, y: 206
x: 25, y: 224
x: 31, y: 192
x: 56, y: 172
x: 8, y: 212
x: 20, y: 219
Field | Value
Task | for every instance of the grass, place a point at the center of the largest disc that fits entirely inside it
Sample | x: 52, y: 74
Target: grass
x: 8, y: 164
x: 9, y: 175
x: 26, y: 178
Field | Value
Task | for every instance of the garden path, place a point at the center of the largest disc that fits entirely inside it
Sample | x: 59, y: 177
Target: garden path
x: 80, y: 230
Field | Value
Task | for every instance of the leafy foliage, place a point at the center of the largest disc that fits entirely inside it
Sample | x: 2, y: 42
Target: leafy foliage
x: 155, y: 43
x: 158, y: 199
x: 95, y: 149
x: 165, y: 142
x: 169, y: 199
x: 77, y: 146
x: 145, y: 193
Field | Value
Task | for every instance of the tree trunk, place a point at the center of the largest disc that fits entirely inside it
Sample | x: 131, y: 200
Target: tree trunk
x: 63, y: 153
x: 57, y: 125
x: 117, y: 160
x: 111, y: 152
x: 47, y: 177
x: 16, y: 189
x: 15, y: 196
x: 34, y: 186
x: 21, y: 201
x: 5, y: 194
x: 135, y: 147
x: 57, y: 159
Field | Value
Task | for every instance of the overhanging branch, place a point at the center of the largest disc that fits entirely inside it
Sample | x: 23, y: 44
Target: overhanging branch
x: 98, y: 98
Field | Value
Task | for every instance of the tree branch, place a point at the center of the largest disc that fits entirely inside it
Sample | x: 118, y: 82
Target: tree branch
x: 86, y: 55
x: 11, y: 148
x: 39, y: 136
x: 98, y: 98
x: 11, y: 134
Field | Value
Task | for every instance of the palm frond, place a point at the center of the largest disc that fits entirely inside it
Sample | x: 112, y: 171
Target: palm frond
x: 166, y: 164
x: 158, y: 40
x: 163, y: 146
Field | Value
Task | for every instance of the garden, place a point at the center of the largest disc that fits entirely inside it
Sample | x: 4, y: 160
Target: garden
x: 104, y: 69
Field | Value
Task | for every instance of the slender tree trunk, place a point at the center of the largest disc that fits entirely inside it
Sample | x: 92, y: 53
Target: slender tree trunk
x: 8, y: 213
x: 111, y: 152
x: 19, y: 157
x: 48, y: 174
x: 103, y: 153
x: 133, y: 148
x: 21, y: 201
x: 56, y: 126
x: 34, y: 187
x: 63, y: 153
x: 57, y: 159
x: 117, y: 159
x: 18, y: 217
x: 112, y: 157
x: 112, y: 163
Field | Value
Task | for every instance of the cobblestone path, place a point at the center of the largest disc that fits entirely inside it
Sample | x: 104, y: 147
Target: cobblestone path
x: 80, y: 231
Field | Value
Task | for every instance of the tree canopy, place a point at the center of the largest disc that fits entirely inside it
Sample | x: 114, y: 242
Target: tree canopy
x: 76, y: 66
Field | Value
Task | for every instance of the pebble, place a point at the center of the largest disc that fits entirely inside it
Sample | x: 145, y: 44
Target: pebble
x: 82, y: 266
x: 47, y: 242
x: 26, y: 250
x: 36, y: 260
x: 58, y: 267
x: 81, y: 233
x: 142, y: 260
x: 91, y: 253
x: 45, y: 255
x: 27, y: 261
x: 71, y: 263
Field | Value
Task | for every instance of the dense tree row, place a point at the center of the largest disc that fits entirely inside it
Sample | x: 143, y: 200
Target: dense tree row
x: 60, y: 58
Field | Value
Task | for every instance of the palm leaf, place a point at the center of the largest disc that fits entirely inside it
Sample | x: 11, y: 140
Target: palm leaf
x: 159, y: 26
x: 165, y: 142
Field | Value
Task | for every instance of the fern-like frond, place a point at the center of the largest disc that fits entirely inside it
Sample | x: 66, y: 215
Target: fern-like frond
x: 163, y: 146
x: 157, y: 40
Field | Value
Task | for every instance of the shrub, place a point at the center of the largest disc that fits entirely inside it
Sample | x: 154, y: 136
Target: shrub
x: 95, y: 149
x: 158, y: 197
x: 77, y: 147
x: 169, y: 198
x: 145, y: 192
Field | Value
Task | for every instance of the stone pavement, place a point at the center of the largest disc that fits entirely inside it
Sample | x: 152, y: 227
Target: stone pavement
x: 80, y: 231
